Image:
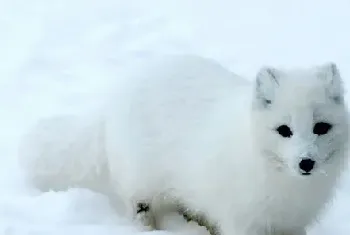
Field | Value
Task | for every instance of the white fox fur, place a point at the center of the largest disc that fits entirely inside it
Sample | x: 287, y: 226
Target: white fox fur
x: 187, y: 128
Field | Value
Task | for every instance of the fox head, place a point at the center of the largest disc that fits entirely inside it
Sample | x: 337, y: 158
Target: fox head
x: 300, y: 117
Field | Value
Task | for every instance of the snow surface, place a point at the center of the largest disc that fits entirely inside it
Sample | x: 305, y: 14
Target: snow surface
x: 58, y: 56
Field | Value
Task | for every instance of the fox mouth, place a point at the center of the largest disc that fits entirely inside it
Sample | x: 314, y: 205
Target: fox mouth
x: 280, y: 164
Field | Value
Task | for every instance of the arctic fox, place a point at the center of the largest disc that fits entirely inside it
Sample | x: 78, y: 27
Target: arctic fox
x: 251, y: 157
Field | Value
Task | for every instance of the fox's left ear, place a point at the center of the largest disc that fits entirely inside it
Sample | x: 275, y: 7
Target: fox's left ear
x: 329, y: 73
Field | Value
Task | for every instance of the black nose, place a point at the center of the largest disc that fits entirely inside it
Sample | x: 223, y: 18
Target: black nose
x: 306, y: 165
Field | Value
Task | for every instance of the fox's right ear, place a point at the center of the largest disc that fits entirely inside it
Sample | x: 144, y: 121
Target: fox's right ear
x: 266, y: 82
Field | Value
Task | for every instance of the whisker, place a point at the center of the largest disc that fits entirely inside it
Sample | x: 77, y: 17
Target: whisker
x: 323, y: 172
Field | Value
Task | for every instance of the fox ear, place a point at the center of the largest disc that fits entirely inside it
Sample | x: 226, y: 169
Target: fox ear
x: 266, y: 82
x: 329, y: 74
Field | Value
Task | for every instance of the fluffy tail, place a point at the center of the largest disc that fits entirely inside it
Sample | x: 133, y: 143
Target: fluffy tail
x: 63, y: 152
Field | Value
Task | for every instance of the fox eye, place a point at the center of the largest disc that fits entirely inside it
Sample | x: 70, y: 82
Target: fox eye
x: 322, y: 128
x: 284, y: 131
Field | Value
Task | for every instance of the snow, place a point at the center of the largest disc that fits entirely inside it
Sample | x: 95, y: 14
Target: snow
x: 58, y: 56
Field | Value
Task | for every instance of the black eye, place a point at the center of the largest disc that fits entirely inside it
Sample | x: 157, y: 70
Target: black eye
x: 322, y: 128
x: 284, y: 131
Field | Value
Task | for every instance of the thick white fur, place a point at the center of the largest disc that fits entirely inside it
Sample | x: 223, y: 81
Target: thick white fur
x: 188, y: 128
x: 63, y: 152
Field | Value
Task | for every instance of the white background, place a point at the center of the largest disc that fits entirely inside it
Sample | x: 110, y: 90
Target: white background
x: 57, y: 56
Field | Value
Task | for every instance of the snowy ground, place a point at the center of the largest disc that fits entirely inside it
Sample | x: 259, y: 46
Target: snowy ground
x: 56, y: 56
